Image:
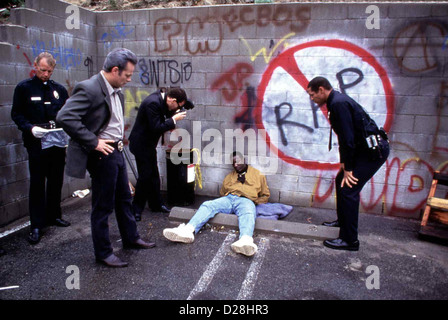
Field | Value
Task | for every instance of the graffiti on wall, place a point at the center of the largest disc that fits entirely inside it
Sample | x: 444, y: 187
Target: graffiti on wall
x: 297, y: 18
x: 265, y: 85
x: 194, y: 32
x: 275, y: 99
x: 28, y: 60
x: 416, y: 46
x: 273, y: 48
x: 119, y: 32
x: 66, y: 57
x: 281, y: 104
x: 284, y: 103
x: 204, y: 34
x: 162, y: 72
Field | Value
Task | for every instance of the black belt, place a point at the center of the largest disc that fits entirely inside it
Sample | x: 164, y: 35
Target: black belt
x: 118, y: 145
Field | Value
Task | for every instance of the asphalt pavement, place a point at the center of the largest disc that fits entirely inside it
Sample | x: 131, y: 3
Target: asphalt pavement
x: 392, y: 264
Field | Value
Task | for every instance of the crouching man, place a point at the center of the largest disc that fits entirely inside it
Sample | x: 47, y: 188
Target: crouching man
x: 241, y: 191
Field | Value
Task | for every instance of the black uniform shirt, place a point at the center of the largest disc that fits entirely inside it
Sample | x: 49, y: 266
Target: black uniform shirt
x: 36, y: 103
x: 346, y: 118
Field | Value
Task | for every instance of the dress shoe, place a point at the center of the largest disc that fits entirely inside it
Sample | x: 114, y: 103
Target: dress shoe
x: 163, y: 208
x: 113, y: 261
x: 331, y: 224
x: 34, y: 236
x: 61, y: 223
x: 340, y: 244
x: 139, y: 244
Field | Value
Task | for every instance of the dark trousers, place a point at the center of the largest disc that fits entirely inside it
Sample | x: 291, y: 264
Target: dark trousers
x: 46, y: 169
x: 148, y: 183
x: 348, y: 199
x: 110, y: 190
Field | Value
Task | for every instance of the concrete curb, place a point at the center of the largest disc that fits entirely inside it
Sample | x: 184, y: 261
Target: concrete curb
x: 278, y: 227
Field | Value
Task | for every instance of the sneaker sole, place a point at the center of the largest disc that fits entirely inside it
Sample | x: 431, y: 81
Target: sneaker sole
x: 173, y: 236
x: 246, y: 250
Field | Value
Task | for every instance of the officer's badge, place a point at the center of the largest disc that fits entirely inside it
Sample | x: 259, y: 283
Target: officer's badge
x: 56, y: 94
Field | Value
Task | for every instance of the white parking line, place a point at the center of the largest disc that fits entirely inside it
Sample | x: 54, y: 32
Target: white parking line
x: 24, y: 225
x: 213, y: 267
x: 10, y: 287
x: 252, y: 275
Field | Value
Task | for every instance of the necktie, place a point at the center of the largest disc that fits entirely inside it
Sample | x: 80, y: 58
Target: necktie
x: 329, y: 142
x: 116, y: 97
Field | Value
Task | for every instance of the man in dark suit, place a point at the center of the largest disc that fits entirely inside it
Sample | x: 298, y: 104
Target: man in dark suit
x: 94, y: 119
x: 363, y: 149
x: 156, y: 115
x: 35, y: 104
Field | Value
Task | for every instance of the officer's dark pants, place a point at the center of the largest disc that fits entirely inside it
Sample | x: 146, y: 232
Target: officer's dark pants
x: 147, y: 188
x: 46, y: 169
x: 110, y: 190
x: 348, y: 199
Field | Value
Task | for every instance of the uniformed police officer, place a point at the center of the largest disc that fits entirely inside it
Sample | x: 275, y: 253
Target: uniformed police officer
x: 35, y: 104
x: 363, y: 149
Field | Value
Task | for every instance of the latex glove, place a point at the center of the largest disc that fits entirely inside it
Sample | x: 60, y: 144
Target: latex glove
x: 38, y: 132
x: 179, y: 116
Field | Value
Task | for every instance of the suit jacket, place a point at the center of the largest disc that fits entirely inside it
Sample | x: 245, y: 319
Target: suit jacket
x: 85, y: 114
x: 348, y: 120
x: 153, y: 119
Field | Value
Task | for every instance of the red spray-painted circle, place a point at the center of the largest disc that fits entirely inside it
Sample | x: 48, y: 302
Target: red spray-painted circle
x: 287, y: 61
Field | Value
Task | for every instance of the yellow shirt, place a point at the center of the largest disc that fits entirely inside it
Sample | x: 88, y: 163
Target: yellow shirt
x: 254, y: 188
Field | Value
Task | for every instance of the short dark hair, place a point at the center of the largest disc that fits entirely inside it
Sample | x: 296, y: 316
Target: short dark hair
x: 318, y: 82
x: 177, y: 93
x: 119, y: 57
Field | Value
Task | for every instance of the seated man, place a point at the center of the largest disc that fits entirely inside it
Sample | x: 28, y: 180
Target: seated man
x: 241, y: 190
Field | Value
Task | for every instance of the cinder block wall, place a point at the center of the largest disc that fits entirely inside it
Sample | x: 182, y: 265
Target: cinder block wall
x: 245, y: 66
x: 39, y: 26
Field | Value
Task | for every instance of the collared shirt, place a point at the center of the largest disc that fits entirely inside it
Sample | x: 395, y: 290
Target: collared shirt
x: 115, y: 128
x: 254, y: 188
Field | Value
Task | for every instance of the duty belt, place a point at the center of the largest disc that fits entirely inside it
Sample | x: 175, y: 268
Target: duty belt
x: 118, y: 145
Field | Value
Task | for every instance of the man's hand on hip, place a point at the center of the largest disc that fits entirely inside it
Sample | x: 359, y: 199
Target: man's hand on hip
x: 104, y: 146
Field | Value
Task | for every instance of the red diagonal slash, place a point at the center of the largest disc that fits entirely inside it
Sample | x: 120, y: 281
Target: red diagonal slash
x: 32, y: 72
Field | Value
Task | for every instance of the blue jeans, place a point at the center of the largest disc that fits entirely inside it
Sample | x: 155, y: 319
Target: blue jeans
x: 242, y: 207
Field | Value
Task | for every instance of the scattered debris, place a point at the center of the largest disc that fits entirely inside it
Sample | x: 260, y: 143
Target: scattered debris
x: 81, y: 193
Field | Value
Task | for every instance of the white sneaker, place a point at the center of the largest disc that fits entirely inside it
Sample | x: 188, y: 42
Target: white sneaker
x: 245, y: 245
x: 183, y: 233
